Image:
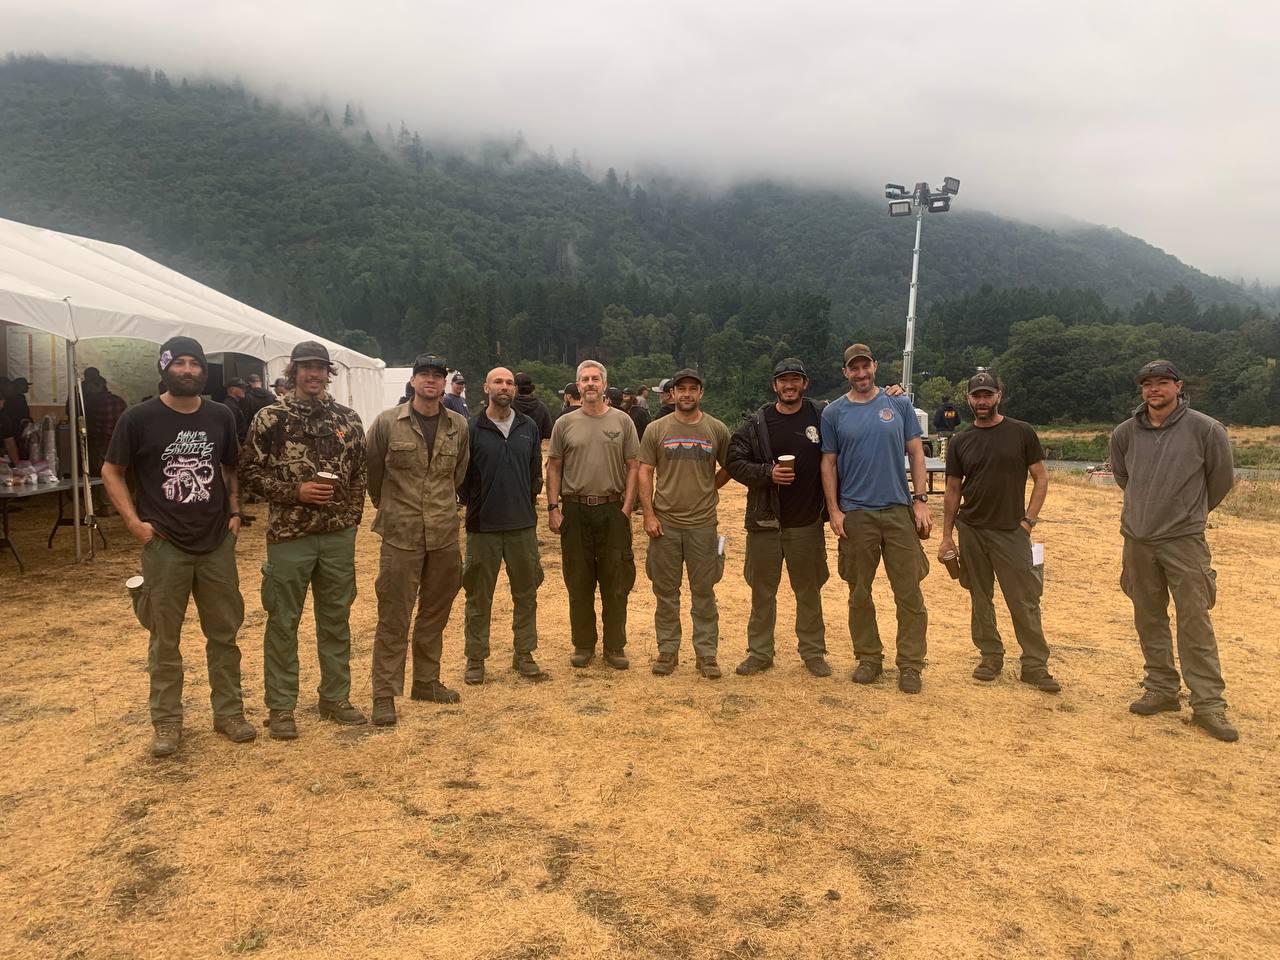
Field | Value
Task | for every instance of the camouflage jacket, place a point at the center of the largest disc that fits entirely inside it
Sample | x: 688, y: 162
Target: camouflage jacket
x: 288, y: 443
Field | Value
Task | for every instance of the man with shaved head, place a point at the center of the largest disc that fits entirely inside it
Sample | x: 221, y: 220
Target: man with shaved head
x: 503, y: 481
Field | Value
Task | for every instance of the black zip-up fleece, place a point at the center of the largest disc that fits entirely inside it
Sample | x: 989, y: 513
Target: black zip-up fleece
x: 504, y: 476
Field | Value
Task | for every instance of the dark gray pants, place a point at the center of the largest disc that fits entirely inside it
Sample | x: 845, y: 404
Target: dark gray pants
x: 988, y: 555
x: 804, y: 550
x: 1153, y: 571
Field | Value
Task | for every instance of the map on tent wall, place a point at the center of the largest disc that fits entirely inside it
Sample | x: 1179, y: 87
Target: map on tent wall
x: 42, y: 359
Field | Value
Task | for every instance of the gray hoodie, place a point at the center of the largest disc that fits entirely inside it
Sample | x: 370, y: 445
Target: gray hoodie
x: 1171, y: 475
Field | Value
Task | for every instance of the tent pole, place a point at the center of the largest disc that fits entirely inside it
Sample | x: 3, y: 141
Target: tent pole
x: 74, y: 438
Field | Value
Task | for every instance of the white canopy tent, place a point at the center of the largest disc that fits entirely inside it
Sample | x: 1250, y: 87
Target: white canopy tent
x: 80, y: 289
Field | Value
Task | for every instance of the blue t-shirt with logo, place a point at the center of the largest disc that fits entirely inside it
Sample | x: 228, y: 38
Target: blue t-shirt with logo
x: 869, y: 441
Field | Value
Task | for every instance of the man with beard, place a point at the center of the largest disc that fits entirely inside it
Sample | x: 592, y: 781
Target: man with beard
x: 786, y: 517
x: 531, y: 406
x: 572, y: 400
x: 864, y: 436
x: 1174, y: 465
x: 306, y: 456
x: 683, y: 450
x: 503, y: 481
x: 591, y: 485
x: 418, y: 457
x: 987, y: 468
x: 182, y: 451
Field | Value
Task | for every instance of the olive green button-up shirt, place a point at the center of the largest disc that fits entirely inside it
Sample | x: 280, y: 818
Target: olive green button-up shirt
x: 416, y: 496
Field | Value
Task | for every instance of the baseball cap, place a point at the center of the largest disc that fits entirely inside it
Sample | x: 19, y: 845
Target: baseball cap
x: 983, y: 381
x: 789, y: 365
x: 235, y: 382
x: 688, y: 373
x: 280, y: 382
x: 858, y: 350
x: 524, y: 383
x: 310, y: 350
x: 614, y: 395
x: 664, y: 384
x: 571, y: 390
x: 1158, y: 368
x: 429, y: 361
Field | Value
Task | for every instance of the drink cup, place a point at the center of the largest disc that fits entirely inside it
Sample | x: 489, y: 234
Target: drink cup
x: 788, y: 460
x: 952, y: 562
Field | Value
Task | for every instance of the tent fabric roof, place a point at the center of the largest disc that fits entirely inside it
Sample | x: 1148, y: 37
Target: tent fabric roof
x: 78, y: 289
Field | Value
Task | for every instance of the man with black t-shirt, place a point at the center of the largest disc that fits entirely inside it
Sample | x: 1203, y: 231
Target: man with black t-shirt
x: 987, y: 467
x: 182, y: 451
x: 786, y: 517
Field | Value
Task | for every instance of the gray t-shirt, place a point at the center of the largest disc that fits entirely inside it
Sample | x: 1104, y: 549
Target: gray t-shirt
x: 504, y: 425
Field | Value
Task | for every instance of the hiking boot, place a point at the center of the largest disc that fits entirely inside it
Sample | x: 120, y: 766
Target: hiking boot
x: 818, y: 666
x: 751, y: 666
x: 1151, y: 703
x: 1216, y: 724
x: 167, y: 739
x: 867, y: 672
x: 526, y: 666
x: 909, y: 680
x: 281, y: 726
x: 617, y: 660
x: 433, y: 691
x: 341, y: 711
x: 665, y: 665
x: 384, y: 711
x: 474, y: 674
x: 988, y: 668
x: 708, y: 667
x: 581, y: 657
x: 1041, y: 679
x: 236, y: 728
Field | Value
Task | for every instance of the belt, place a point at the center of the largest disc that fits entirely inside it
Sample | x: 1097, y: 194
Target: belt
x: 593, y: 501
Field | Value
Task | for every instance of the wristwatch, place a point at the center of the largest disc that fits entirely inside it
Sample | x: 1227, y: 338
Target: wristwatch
x: 552, y: 506
x: 920, y: 497
x: 1030, y: 522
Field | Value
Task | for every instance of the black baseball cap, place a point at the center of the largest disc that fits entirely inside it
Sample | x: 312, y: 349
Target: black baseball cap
x: 571, y: 390
x: 429, y: 361
x: 983, y: 381
x: 1158, y: 368
x: 789, y: 365
x: 235, y: 382
x: 688, y: 373
x: 858, y: 350
x: 310, y: 350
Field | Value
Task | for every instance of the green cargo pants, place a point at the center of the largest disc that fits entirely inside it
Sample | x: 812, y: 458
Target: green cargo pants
x: 1150, y: 573
x: 486, y: 552
x: 595, y: 546
x: 890, y: 533
x: 173, y: 576
x: 988, y: 555
x: 431, y: 578
x: 804, y: 549
x: 677, y: 550
x: 326, y: 562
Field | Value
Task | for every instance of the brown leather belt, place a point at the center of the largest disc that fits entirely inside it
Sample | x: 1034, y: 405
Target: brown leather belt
x: 593, y: 501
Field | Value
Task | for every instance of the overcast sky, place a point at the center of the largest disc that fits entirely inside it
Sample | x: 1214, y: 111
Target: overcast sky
x: 1157, y: 117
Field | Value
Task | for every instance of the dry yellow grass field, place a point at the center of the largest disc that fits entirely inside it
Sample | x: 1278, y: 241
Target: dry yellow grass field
x: 605, y: 814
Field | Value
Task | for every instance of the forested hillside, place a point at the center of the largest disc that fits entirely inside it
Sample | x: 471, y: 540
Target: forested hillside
x: 377, y: 238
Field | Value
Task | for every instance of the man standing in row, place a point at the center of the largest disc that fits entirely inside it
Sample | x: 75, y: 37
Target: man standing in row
x: 503, y: 481
x: 182, y: 452
x: 786, y: 517
x: 591, y: 486
x: 1174, y: 465
x: 865, y: 434
x: 418, y: 457
x: 987, y: 469
x: 305, y: 456
x: 683, y: 450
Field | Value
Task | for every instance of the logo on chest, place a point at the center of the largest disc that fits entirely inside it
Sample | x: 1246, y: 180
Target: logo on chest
x: 886, y: 415
x: 811, y: 434
x: 613, y: 434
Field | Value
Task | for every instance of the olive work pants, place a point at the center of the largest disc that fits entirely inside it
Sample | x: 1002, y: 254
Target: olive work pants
x: 986, y: 556
x: 486, y: 553
x: 804, y: 550
x: 171, y: 577
x: 670, y: 555
x: 888, y: 533
x: 1181, y: 567
x: 429, y: 578
x: 325, y: 562
x: 595, y: 548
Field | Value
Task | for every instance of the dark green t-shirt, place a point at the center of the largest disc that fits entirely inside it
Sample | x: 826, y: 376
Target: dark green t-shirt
x: 992, y: 464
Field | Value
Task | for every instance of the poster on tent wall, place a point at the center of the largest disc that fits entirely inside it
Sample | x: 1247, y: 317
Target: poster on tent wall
x: 42, y: 359
x: 128, y: 365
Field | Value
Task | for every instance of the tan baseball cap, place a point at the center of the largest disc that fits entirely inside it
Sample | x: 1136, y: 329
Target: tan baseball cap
x: 858, y: 350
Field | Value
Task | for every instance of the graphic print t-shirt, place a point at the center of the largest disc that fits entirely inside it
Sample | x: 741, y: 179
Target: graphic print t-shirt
x: 685, y: 456
x: 176, y: 460
x: 799, y: 434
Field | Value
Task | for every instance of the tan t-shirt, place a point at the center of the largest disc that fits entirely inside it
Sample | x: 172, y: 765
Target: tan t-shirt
x: 593, y: 452
x: 685, y: 456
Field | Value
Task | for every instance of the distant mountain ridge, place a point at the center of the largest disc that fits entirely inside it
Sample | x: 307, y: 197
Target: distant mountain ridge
x: 309, y: 216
